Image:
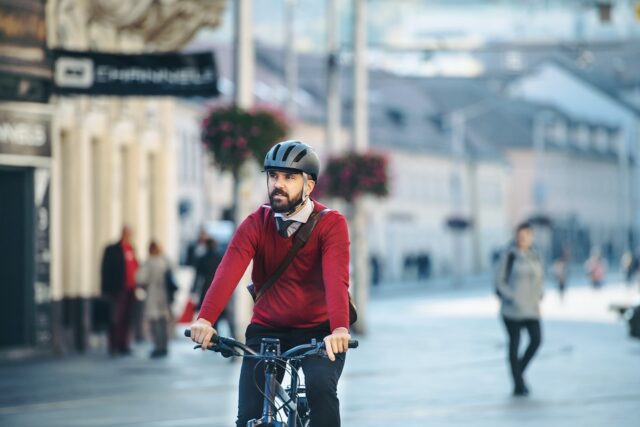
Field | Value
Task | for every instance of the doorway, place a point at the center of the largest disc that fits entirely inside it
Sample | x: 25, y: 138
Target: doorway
x: 17, y: 257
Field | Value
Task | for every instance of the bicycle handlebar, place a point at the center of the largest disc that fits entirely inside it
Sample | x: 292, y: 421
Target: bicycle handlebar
x: 230, y: 343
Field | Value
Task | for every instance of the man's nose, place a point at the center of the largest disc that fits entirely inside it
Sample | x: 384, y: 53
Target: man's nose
x: 278, y: 182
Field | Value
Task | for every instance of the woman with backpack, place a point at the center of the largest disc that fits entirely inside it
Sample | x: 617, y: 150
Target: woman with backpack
x: 519, y: 285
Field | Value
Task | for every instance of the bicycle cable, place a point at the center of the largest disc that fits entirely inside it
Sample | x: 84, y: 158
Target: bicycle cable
x: 286, y: 370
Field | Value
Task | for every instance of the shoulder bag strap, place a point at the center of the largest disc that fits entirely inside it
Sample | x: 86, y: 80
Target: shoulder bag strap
x: 301, y: 237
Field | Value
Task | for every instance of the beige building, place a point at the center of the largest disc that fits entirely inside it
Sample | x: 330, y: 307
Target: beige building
x: 115, y: 160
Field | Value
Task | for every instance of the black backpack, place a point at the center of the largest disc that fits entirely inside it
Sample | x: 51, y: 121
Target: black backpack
x: 511, y: 257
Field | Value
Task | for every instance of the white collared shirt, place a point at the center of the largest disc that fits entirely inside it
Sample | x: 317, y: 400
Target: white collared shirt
x: 301, y: 216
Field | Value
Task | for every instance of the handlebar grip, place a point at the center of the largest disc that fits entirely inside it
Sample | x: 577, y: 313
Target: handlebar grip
x: 214, y: 339
x: 353, y: 343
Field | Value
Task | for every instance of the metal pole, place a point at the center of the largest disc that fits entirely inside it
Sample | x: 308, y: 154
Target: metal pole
x: 360, y: 143
x: 539, y: 194
x: 291, y: 70
x: 333, y: 77
x: 541, y: 121
x: 244, y: 63
x: 243, y: 54
x: 457, y: 153
x: 360, y: 112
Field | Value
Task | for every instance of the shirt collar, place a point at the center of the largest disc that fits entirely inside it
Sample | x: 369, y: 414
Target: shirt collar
x: 302, y: 215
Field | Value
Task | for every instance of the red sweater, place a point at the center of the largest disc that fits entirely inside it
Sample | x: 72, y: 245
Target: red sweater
x: 313, y: 288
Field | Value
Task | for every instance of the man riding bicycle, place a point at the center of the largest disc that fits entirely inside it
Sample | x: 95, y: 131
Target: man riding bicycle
x: 310, y: 297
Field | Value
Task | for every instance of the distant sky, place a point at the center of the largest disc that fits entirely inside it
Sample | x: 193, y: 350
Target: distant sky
x: 404, y: 23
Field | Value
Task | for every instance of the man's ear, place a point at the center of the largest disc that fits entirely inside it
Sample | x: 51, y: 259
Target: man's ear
x: 311, y: 184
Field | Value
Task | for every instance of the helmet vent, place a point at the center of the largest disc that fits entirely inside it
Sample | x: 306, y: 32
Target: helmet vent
x: 286, y: 153
x: 275, y: 152
x: 300, y: 156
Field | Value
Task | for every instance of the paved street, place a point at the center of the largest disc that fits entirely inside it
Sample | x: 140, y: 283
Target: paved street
x: 432, y: 357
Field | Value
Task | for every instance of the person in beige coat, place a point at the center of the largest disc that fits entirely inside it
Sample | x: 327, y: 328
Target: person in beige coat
x: 152, y: 276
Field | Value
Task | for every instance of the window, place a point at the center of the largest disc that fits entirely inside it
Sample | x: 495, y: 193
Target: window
x: 559, y: 132
x: 601, y: 139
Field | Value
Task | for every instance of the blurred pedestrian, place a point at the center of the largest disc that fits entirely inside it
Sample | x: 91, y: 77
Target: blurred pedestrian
x: 155, y: 276
x: 197, y: 248
x: 206, y: 265
x: 519, y: 285
x: 118, y: 282
x: 629, y: 265
x: 206, y: 268
x: 423, y: 262
x: 374, y: 263
x: 560, y: 270
x: 596, y: 268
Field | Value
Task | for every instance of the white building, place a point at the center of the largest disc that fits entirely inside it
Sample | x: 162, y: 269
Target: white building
x: 588, y: 97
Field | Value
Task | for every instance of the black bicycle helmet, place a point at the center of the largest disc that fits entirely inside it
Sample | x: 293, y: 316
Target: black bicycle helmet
x: 295, y: 156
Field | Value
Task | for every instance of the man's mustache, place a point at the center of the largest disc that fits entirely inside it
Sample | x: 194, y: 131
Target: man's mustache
x: 279, y: 193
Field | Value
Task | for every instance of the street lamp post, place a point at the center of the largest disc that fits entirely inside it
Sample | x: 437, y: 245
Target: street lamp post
x: 244, y: 63
x: 291, y: 68
x: 333, y: 77
x: 458, y: 120
x: 540, y: 186
x: 360, y: 144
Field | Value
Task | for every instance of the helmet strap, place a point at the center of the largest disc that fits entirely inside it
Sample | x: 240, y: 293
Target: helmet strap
x: 304, y: 197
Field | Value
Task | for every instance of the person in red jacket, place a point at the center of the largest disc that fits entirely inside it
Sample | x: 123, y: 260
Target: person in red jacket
x: 309, y: 300
x: 118, y: 278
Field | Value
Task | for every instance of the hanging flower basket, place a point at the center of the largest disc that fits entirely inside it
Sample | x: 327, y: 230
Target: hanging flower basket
x: 354, y: 174
x: 233, y: 135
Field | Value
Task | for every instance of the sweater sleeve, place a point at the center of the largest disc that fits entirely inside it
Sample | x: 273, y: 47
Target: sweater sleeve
x: 335, y: 269
x: 234, y: 263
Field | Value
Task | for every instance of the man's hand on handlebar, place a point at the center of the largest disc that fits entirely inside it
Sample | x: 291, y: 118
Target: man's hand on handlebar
x: 337, y: 342
x: 202, y: 332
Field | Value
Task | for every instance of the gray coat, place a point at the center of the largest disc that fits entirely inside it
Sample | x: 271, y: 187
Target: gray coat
x: 151, y: 276
x: 520, y: 293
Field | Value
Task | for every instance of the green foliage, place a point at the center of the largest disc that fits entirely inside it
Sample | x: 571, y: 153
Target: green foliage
x: 353, y: 174
x: 233, y: 134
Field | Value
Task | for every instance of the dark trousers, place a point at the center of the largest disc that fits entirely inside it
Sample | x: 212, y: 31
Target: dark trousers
x: 519, y: 364
x: 121, y: 319
x: 321, y: 377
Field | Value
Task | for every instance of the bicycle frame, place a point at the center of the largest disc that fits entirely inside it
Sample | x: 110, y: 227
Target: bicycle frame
x: 270, y: 354
x: 270, y: 347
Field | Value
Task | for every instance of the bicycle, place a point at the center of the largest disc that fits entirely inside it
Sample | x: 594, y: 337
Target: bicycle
x: 292, y: 399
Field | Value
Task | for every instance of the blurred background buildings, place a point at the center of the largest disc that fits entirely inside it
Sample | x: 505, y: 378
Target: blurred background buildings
x: 490, y: 113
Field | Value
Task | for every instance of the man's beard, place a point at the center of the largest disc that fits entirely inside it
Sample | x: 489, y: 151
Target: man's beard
x: 279, y: 206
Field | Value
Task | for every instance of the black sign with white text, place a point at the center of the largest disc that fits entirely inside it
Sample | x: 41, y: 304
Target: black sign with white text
x: 169, y: 74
